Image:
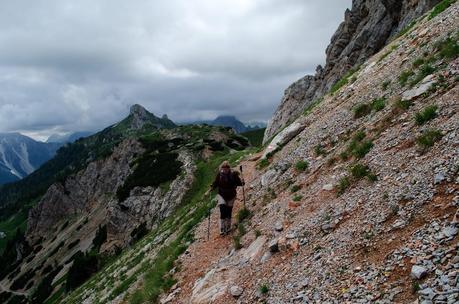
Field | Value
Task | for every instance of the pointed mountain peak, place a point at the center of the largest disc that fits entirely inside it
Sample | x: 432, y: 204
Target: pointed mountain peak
x: 137, y: 109
x: 141, y: 116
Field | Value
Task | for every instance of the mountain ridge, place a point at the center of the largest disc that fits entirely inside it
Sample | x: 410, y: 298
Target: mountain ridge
x: 367, y: 27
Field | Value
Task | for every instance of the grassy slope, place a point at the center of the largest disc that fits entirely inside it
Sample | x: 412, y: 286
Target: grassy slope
x: 255, y: 137
x: 175, y: 234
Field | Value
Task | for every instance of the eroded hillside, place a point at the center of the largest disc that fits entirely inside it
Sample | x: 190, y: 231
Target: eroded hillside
x: 357, y: 200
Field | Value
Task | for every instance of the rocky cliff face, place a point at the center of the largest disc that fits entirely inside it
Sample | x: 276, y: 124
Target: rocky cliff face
x: 366, y: 28
x: 83, y: 192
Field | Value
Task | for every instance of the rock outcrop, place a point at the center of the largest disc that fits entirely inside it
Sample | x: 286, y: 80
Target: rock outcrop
x: 366, y: 28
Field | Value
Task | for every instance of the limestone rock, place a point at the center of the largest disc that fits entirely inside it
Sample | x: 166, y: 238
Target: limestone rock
x: 236, y: 291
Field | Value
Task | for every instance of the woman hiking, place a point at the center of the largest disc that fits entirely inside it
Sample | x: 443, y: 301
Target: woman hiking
x: 226, y: 182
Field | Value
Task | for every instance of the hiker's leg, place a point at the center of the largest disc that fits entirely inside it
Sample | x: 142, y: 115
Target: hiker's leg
x: 222, y: 219
x: 228, y: 219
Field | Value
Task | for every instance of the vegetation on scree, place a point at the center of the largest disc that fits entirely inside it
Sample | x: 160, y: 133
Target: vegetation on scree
x: 441, y: 7
x: 428, y: 138
x: 447, y: 50
x: 301, y: 165
x: 426, y: 115
x: 344, y: 80
x: 358, y: 146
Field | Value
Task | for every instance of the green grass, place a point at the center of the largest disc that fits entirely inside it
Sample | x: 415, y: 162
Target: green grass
x: 343, y: 184
x: 264, y: 288
x: 425, y: 70
x: 344, y: 80
x: 391, y: 49
x: 428, y: 138
x: 448, y: 49
x: 403, y: 104
x: 255, y: 137
x: 242, y: 214
x: 359, y: 171
x: 418, y: 62
x: 361, y: 149
x: 426, y: 114
x: 407, y: 28
x: 385, y: 84
x: 378, y: 104
x: 297, y: 197
x: 262, y: 163
x: 319, y: 150
x: 301, y: 165
x: 311, y: 106
x: 295, y: 188
x: 404, y: 77
x: 358, y: 147
x: 440, y: 7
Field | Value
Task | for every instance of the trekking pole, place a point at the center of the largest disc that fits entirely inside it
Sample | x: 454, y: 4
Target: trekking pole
x: 208, y: 223
x: 243, y: 190
x: 208, y: 226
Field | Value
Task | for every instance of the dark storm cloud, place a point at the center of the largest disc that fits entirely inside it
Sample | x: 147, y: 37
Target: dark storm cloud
x: 78, y: 65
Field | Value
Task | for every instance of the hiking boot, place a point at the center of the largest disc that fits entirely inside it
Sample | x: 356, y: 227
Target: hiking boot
x: 222, y: 227
x: 227, y: 226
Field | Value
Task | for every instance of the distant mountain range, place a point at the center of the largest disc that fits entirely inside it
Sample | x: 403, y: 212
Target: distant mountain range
x: 68, y: 138
x: 21, y: 155
x: 233, y: 122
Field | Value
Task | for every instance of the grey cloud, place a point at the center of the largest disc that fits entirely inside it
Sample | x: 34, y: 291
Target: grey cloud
x: 78, y: 65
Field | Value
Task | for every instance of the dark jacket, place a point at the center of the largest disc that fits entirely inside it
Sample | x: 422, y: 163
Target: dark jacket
x: 227, y: 184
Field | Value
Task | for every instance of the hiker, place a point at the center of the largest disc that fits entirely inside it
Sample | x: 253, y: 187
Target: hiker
x: 226, y: 181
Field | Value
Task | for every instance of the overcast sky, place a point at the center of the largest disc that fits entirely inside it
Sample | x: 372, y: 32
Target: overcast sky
x: 78, y: 65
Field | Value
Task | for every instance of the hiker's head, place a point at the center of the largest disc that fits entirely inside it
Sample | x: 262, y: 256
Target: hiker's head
x: 225, y: 166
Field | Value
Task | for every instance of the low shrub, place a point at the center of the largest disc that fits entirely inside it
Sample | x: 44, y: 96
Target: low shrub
x: 263, y: 163
x: 358, y: 147
x: 319, y: 150
x: 295, y: 188
x: 343, y: 184
x: 385, y: 84
x: 237, y: 242
x: 403, y: 105
x: 426, y: 114
x: 359, y: 171
x: 361, y: 110
x: 448, y: 49
x: 378, y: 104
x: 264, y: 288
x: 301, y: 165
x: 297, y: 197
x: 424, y: 71
x: 404, y: 77
x: 428, y: 139
x: 242, y: 214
